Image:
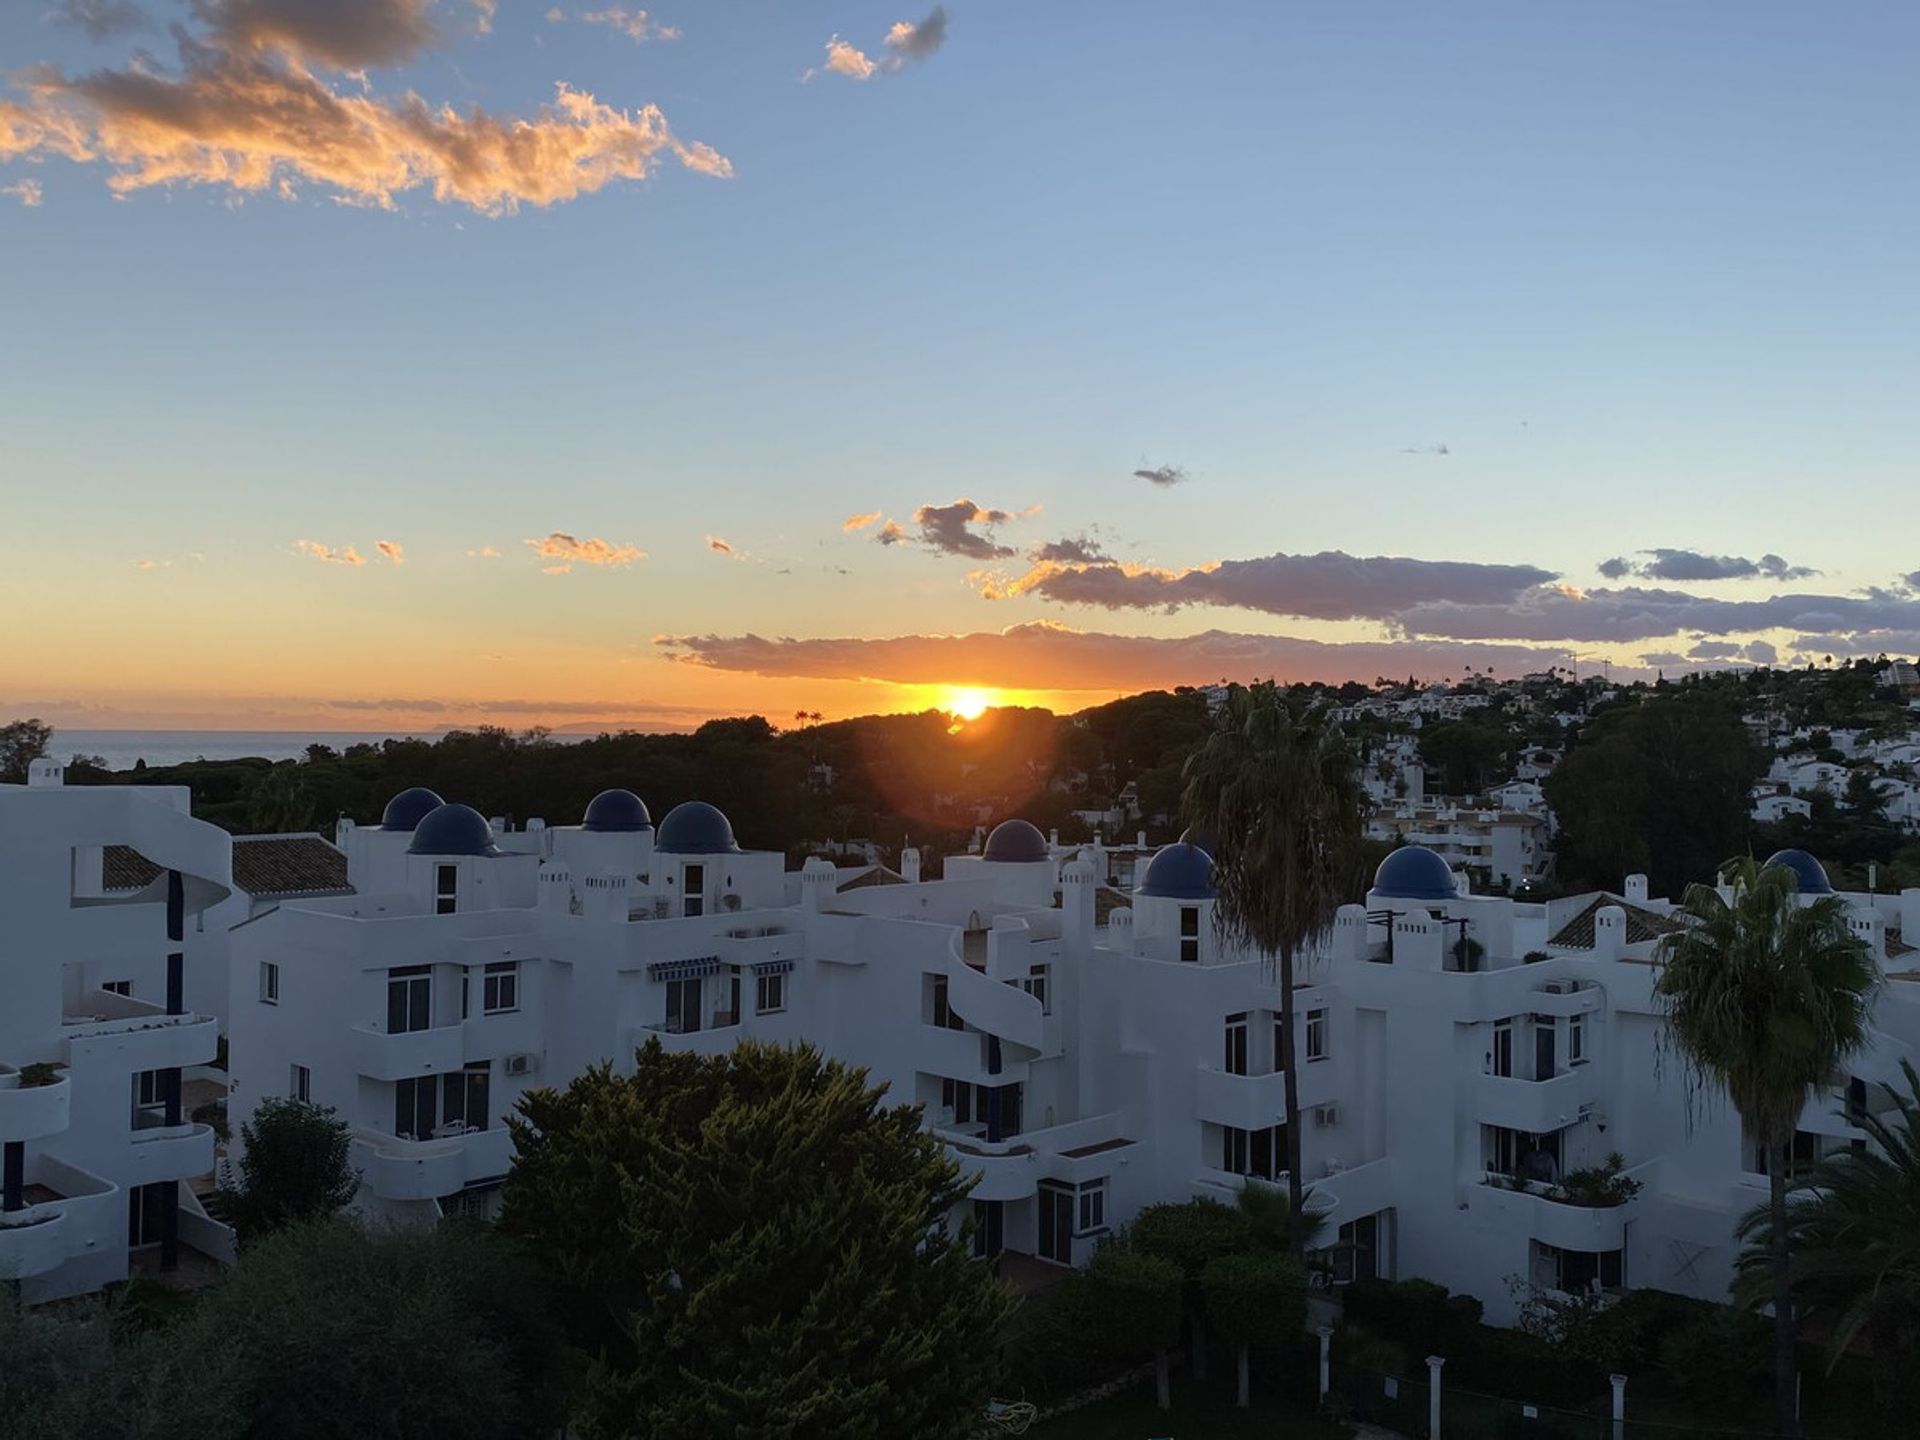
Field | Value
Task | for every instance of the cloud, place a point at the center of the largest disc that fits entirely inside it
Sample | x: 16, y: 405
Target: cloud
x: 344, y: 34
x: 483, y: 552
x: 636, y: 25
x: 327, y: 555
x: 910, y: 43
x: 393, y: 550
x: 1069, y: 550
x: 1633, y: 613
x: 1425, y: 450
x: 1761, y: 653
x: 101, y: 19
x: 27, y: 192
x: 1162, y: 475
x: 891, y: 533
x: 1714, y: 650
x: 1331, y: 585
x: 905, y: 44
x: 1693, y: 565
x: 725, y: 547
x: 245, y: 112
x: 947, y: 530
x: 855, y: 523
x: 566, y: 552
x: 483, y: 11
x: 1065, y: 659
x: 151, y: 564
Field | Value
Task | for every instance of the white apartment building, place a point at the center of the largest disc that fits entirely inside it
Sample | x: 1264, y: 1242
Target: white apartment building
x: 1501, y: 846
x: 96, y: 1151
x: 1460, y: 1055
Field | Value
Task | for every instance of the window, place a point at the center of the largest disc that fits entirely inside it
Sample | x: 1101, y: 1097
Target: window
x: 957, y: 1096
x: 1317, y: 1035
x: 299, y: 1083
x: 464, y: 1096
x: 409, y: 999
x: 693, y: 897
x: 1189, y: 933
x: 1517, y: 1153
x: 1093, y: 1205
x: 1577, y: 1040
x: 118, y: 987
x: 147, y: 1207
x: 269, y: 983
x: 1500, y: 1058
x: 446, y: 882
x: 500, y: 987
x: 1577, y: 1272
x: 416, y: 1107
x: 732, y: 1017
x: 1036, y: 985
x: 1235, y: 1061
x: 1254, y: 1152
x: 943, y: 1015
x: 149, y: 1099
x: 683, y: 1006
x: 770, y: 994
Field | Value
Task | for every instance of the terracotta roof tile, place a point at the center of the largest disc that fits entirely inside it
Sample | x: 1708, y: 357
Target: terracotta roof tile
x: 1642, y: 924
x: 265, y: 866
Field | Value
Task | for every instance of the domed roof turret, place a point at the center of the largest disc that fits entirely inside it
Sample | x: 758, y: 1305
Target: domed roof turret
x: 1414, y: 872
x: 1808, y: 872
x: 407, y: 809
x: 695, y: 828
x: 1179, y: 872
x: 616, y: 812
x: 1015, y: 842
x: 1196, y: 836
x: 453, y: 830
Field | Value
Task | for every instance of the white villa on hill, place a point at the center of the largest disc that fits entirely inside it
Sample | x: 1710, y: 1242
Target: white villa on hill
x: 1084, y: 1051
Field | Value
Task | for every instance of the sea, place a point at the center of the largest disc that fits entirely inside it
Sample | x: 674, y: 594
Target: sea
x: 122, y: 748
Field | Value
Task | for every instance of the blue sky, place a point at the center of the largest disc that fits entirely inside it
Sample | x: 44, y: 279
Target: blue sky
x: 1643, y: 272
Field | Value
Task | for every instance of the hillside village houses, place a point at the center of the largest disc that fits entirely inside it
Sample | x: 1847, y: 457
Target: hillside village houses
x: 1467, y: 1061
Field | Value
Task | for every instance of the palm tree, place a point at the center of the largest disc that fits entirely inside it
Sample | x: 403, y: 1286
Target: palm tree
x: 1853, y: 1231
x: 1765, y: 995
x: 1277, y: 789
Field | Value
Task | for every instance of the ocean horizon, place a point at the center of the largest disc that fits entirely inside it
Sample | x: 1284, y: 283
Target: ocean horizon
x: 123, y: 749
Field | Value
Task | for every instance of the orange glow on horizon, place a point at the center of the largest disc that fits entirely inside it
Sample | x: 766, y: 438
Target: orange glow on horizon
x: 969, y: 703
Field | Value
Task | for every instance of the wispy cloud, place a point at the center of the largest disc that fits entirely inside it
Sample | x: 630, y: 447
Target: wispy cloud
x: 721, y: 546
x: 949, y: 529
x: 101, y: 19
x: 152, y: 564
x: 1162, y: 475
x: 393, y: 550
x: 904, y: 44
x: 328, y: 555
x: 483, y: 552
x: 855, y: 523
x: 637, y: 25
x: 483, y: 12
x: 27, y: 192
x: 247, y: 112
x: 891, y: 533
x: 565, y: 552
x: 1695, y: 565
x: 1425, y: 450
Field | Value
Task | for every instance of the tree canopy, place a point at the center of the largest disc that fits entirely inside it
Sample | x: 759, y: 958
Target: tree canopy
x: 753, y: 1245
x: 294, y: 1166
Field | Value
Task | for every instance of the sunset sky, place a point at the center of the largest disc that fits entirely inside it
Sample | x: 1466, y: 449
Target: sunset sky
x: 379, y: 364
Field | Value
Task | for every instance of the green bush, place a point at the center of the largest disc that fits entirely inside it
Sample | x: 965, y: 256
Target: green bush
x: 1719, y: 1358
x: 1056, y: 1344
x: 1418, y: 1314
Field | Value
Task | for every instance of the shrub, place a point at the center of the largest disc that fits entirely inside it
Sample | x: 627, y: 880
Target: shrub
x: 1719, y: 1358
x: 1415, y: 1313
x: 41, y: 1072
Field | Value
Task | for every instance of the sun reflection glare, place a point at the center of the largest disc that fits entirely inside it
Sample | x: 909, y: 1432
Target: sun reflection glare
x: 968, y: 704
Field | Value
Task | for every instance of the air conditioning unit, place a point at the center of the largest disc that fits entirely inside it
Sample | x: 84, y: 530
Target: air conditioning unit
x: 1326, y: 1114
x: 1562, y: 987
x: 521, y: 1064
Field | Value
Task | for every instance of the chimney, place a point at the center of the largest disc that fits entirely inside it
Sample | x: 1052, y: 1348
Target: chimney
x: 1637, y: 889
x: 816, y: 883
x: 910, y: 865
x: 45, y: 772
x: 1076, y: 904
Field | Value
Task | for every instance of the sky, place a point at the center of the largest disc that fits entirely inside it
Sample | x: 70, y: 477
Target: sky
x: 395, y: 364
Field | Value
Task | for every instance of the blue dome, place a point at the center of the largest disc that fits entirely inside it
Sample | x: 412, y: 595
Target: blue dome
x: 616, y: 811
x: 409, y: 808
x: 1194, y: 835
x: 1810, y: 874
x: 1179, y: 872
x: 695, y: 828
x: 1016, y: 842
x: 453, y: 830
x: 1414, y: 872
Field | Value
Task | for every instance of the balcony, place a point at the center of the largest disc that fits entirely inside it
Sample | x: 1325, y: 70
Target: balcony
x: 120, y: 1032
x: 29, y: 1112
x: 1246, y: 1102
x: 32, y: 1241
x: 1006, y: 1169
x: 397, y: 1169
x: 68, y: 1212
x: 1532, y: 1208
x: 400, y: 1055
x: 169, y: 1152
x: 1535, y: 1106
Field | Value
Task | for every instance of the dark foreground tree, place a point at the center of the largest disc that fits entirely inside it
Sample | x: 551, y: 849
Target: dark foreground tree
x: 1277, y: 790
x: 322, y: 1330
x: 21, y: 743
x: 1139, y: 1301
x: 1765, y: 995
x: 295, y: 1166
x: 1254, y: 1300
x: 752, y: 1245
x: 1853, y: 1231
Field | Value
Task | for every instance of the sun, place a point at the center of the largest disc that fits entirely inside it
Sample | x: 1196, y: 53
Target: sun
x: 968, y: 704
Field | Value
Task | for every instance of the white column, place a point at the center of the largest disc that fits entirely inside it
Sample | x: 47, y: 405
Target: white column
x: 1434, y: 1362
x: 1619, y: 1383
x: 1325, y: 1332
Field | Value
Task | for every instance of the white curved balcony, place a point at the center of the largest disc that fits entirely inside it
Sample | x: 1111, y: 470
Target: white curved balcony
x: 28, y: 1112
x: 1246, y: 1102
x: 1535, y: 1106
x: 399, y: 1169
x: 169, y: 1152
x: 1554, y: 1222
x: 120, y: 1032
x: 402, y: 1054
x: 32, y: 1241
x: 1003, y: 1169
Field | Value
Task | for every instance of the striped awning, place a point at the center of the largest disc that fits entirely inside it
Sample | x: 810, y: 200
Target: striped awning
x: 684, y: 969
x: 772, y: 967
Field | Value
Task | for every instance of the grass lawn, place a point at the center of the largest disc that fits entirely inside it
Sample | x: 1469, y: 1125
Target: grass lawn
x: 1200, y: 1412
